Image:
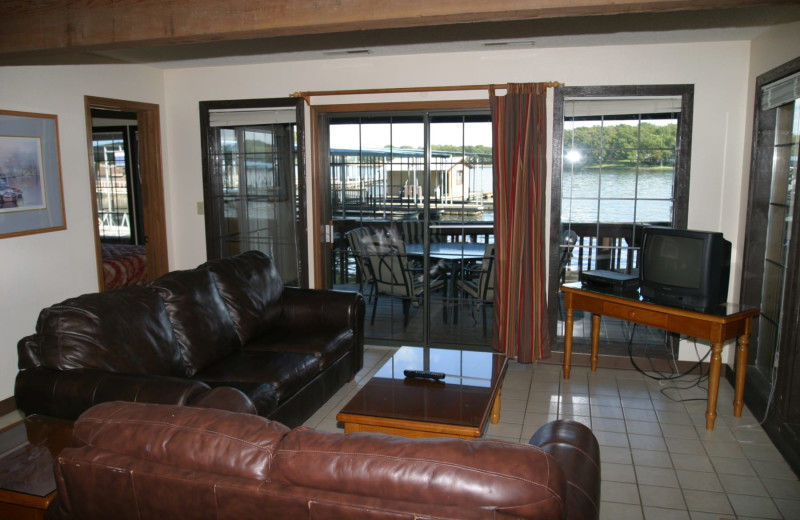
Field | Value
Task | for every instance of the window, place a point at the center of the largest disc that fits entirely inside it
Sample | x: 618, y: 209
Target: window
x: 254, y: 183
x: 620, y: 162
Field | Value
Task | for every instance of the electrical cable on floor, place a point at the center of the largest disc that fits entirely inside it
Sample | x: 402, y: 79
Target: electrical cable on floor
x: 663, y: 377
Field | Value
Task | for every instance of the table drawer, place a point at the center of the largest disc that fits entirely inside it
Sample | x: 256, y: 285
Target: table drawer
x: 641, y: 316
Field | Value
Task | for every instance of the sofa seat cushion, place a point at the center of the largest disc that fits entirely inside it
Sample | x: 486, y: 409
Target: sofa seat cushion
x: 201, y: 322
x: 267, y: 378
x: 124, y: 330
x: 252, y: 288
x: 327, y: 345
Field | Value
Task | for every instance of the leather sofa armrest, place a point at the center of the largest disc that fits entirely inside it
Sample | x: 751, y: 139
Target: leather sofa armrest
x: 576, y: 449
x: 225, y: 398
x: 68, y: 393
x: 322, y: 307
x: 311, y: 309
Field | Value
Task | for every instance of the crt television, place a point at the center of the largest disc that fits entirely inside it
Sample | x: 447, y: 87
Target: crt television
x: 684, y: 268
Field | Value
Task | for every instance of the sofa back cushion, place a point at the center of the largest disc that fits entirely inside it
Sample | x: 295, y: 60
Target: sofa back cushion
x: 515, y: 479
x: 199, y: 439
x: 252, y: 288
x: 203, y: 328
x: 124, y: 330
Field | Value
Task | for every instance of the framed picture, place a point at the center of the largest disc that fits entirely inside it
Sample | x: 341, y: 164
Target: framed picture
x: 31, y: 196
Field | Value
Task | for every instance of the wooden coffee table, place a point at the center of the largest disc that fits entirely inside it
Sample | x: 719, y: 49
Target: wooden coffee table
x: 460, y: 405
x: 27, y: 452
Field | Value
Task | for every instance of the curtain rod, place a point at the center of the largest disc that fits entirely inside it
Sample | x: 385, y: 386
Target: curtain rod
x: 309, y: 94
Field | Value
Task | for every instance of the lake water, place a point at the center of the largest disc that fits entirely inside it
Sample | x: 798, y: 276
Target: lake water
x: 608, y: 196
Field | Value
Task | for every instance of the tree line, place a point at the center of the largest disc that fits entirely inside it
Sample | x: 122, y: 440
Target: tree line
x: 621, y: 145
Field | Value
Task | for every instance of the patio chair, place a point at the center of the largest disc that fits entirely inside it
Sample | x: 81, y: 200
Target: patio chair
x: 357, y: 238
x: 568, y: 240
x: 393, y: 276
x: 478, y: 282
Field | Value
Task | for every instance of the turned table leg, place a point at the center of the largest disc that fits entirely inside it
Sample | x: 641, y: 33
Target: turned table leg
x: 713, y: 384
x: 495, y: 415
x: 741, y: 373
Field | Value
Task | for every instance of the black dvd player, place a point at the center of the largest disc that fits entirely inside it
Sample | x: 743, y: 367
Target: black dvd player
x: 610, y: 280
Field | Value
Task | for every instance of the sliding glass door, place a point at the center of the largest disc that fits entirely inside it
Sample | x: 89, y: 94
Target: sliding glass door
x: 411, y: 211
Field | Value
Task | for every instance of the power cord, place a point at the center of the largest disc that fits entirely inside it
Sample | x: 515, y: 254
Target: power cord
x: 672, y: 377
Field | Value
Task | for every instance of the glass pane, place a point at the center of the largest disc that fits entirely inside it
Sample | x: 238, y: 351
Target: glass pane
x: 654, y: 212
x: 781, y: 171
x: 785, y: 124
x: 111, y: 184
x: 772, y: 291
x: 617, y: 183
x: 580, y: 210
x: 655, y: 183
x: 777, y: 234
x: 380, y: 190
x: 617, y: 210
x: 256, y: 170
x: 767, y: 342
x: 585, y: 183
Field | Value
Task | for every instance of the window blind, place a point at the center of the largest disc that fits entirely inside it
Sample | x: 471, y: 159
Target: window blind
x: 249, y: 117
x: 589, y: 107
x: 780, y: 92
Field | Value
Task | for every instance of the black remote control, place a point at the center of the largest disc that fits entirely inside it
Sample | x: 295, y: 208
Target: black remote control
x: 424, y: 374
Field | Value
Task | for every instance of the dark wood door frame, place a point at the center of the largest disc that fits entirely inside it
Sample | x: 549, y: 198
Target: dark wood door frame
x: 148, y: 120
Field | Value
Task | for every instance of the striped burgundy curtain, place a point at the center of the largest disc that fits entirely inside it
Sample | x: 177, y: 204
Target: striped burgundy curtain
x: 519, y: 143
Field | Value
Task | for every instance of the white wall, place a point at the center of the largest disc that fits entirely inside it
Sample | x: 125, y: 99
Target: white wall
x: 42, y: 269
x: 38, y: 270
x: 719, y: 72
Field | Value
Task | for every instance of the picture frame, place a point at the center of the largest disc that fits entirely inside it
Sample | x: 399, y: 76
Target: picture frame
x: 31, y: 192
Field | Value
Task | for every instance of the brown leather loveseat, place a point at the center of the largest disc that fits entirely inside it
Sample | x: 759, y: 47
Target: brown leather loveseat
x: 227, y: 323
x: 146, y: 461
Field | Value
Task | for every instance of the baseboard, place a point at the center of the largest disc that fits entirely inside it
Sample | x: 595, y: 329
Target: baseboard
x: 8, y: 405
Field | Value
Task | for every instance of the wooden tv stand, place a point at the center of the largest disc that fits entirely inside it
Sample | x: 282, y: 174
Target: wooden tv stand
x: 727, y: 321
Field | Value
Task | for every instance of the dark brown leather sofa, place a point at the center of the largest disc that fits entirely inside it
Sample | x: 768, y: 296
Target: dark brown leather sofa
x: 227, y: 323
x: 147, y: 461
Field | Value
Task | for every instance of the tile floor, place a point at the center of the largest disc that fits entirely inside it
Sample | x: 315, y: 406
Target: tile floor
x: 658, y: 460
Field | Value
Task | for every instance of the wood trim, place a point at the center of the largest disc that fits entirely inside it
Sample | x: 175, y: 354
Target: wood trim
x: 150, y: 166
x: 400, y: 90
x: 66, y: 25
x: 317, y: 210
x: 402, y: 105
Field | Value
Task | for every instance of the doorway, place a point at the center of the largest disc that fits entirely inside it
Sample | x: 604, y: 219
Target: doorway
x: 254, y: 181
x: 153, y: 220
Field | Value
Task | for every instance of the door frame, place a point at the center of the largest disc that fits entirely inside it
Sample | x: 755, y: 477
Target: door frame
x: 150, y: 166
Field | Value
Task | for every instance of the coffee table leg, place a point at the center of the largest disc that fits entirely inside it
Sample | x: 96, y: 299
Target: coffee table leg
x: 713, y: 384
x: 495, y: 415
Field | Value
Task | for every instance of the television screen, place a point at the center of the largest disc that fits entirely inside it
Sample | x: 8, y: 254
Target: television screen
x: 675, y: 260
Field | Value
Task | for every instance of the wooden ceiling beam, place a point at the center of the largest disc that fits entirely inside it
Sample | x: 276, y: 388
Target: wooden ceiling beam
x: 45, y: 26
